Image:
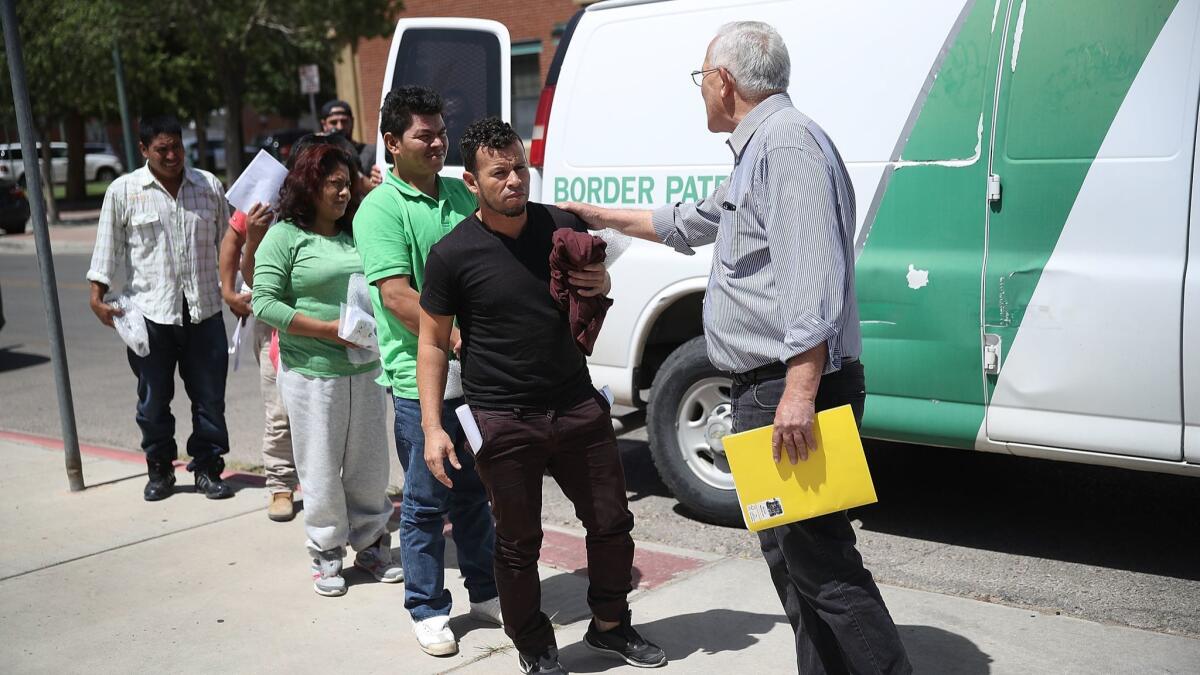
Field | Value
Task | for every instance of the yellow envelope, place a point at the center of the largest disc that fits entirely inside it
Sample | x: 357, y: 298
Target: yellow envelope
x: 834, y: 478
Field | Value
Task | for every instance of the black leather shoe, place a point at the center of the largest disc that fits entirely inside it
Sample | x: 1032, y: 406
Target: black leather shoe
x: 625, y: 643
x: 161, y: 484
x: 209, y: 482
x: 545, y: 663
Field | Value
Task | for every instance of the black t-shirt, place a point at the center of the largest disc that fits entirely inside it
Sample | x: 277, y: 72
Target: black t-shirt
x: 517, y: 345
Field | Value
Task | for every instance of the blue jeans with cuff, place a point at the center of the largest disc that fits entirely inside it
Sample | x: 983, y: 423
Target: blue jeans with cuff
x: 427, y: 503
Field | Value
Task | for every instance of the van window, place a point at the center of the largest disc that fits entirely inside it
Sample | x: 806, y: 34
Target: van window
x: 462, y: 65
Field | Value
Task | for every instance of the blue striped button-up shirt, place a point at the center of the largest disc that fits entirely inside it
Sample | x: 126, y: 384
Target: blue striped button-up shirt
x: 782, y: 277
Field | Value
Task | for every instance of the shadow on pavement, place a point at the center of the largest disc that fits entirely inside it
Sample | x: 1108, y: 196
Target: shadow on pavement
x: 933, y: 650
x: 13, y: 360
x: 1114, y: 518
x: 710, y: 632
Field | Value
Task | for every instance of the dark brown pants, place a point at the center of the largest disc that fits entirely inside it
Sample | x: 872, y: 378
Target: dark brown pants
x: 579, y: 448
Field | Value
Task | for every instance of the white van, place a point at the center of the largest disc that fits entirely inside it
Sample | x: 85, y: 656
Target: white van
x: 1028, y: 270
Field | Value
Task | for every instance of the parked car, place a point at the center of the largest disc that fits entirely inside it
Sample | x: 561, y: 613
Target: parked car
x: 216, y: 154
x: 14, y: 207
x: 279, y: 143
x: 97, y: 166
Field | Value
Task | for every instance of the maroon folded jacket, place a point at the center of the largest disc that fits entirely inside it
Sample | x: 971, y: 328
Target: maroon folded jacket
x: 572, y: 251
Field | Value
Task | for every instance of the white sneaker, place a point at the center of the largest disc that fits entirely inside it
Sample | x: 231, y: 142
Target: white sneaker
x: 435, y: 637
x: 488, y: 610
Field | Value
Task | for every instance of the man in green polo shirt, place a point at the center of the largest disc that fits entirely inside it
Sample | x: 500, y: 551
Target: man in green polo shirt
x: 396, y: 225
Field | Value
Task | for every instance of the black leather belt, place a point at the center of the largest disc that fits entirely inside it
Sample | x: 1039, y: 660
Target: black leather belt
x: 771, y: 371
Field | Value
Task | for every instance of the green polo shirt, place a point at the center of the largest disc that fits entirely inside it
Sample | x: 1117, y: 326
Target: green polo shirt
x: 394, y: 229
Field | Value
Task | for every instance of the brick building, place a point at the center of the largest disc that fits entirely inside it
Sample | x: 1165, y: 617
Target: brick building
x: 534, y: 28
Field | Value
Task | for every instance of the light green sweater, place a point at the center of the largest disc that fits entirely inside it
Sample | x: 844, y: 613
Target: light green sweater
x: 296, y: 270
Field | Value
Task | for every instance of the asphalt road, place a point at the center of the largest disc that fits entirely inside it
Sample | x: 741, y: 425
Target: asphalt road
x: 1101, y: 544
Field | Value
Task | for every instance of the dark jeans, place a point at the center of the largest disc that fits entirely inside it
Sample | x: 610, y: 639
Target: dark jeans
x: 201, y: 353
x: 579, y: 448
x: 426, y: 503
x: 833, y: 604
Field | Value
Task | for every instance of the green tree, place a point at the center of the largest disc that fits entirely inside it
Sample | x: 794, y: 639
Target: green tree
x: 250, y: 43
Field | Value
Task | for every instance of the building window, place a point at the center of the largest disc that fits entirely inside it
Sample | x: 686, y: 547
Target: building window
x: 526, y: 85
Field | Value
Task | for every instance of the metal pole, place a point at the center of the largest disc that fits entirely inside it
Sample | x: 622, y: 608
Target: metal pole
x: 312, y: 105
x: 41, y: 235
x: 126, y: 126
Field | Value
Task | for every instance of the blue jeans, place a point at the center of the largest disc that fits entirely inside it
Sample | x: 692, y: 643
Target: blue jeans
x: 427, y: 503
x: 200, y: 351
x: 840, y: 621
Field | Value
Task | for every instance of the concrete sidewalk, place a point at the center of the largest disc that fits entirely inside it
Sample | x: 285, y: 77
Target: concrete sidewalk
x: 102, y: 582
x: 73, y: 236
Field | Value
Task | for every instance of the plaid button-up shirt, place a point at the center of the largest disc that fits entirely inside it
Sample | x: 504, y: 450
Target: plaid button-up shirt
x: 165, y: 246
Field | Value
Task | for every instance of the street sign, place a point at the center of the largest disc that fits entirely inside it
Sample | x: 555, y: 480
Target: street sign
x: 310, y: 79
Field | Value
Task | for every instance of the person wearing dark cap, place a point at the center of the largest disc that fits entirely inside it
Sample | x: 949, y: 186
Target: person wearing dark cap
x: 338, y: 118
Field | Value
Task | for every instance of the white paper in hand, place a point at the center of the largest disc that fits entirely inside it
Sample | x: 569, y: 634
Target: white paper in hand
x: 467, y: 421
x: 131, y: 326
x: 258, y: 184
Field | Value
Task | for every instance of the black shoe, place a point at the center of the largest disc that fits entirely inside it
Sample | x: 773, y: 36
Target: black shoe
x: 546, y: 662
x: 208, y: 481
x: 625, y: 642
x: 162, y: 482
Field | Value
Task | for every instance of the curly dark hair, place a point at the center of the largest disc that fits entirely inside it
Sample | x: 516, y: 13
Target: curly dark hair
x: 306, y: 180
x: 395, y: 117
x: 490, y: 132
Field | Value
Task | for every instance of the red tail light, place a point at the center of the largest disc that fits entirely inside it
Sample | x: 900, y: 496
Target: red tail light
x: 17, y: 192
x: 541, y: 122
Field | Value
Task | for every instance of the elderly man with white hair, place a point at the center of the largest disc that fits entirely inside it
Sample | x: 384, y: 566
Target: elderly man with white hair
x: 781, y: 317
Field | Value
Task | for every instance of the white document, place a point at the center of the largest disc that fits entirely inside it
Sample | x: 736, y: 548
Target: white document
x: 467, y: 421
x: 259, y: 183
x: 357, y: 323
x: 606, y: 392
x: 243, y: 329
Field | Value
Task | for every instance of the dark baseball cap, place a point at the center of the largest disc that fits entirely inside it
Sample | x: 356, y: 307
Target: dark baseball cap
x: 336, y: 107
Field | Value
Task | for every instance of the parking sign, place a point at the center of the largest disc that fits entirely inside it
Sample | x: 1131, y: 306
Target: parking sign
x: 310, y: 79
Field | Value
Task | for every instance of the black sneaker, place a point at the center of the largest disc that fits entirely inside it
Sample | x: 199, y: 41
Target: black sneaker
x: 546, y: 662
x: 209, y: 483
x: 162, y: 482
x: 624, y: 642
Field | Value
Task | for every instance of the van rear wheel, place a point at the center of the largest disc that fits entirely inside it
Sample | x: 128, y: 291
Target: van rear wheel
x: 689, y: 412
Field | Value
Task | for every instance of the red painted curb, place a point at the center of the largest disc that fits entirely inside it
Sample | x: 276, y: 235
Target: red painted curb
x: 116, y: 454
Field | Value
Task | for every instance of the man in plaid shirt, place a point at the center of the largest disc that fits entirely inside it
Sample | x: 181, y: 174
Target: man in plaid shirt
x: 160, y: 225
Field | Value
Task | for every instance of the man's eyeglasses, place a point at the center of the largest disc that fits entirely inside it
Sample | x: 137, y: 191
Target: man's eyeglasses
x: 699, y: 75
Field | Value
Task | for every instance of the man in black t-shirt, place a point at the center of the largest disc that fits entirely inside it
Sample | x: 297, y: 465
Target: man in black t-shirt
x: 530, y: 393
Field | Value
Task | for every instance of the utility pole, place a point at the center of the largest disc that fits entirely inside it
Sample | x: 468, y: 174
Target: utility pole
x: 123, y: 103
x: 41, y: 237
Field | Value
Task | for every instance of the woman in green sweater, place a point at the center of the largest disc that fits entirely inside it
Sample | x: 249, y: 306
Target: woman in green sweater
x: 335, y: 408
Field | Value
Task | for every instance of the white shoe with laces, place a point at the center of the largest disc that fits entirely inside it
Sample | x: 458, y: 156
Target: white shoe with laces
x: 435, y: 637
x: 487, y: 611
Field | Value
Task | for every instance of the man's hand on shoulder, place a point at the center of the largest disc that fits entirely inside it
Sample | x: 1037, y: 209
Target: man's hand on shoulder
x: 588, y: 213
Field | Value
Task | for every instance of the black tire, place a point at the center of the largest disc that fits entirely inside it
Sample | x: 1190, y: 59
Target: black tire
x: 684, y: 368
x: 106, y: 174
x: 16, y: 228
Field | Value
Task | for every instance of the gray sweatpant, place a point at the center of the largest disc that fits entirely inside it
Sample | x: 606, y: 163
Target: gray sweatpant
x: 339, y: 437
